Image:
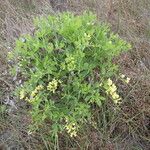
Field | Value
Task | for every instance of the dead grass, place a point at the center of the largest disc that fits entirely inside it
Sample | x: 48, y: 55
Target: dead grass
x: 129, y: 127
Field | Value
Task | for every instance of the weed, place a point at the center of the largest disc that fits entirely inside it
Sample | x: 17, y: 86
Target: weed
x: 66, y: 65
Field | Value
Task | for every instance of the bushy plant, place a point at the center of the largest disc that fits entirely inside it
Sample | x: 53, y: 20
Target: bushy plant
x: 67, y: 68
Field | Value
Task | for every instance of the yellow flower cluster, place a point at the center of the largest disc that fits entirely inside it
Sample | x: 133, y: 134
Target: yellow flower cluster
x: 112, y: 90
x: 52, y: 86
x: 27, y: 99
x: 127, y: 80
x: 71, y: 128
x: 33, y: 93
x: 22, y: 94
x: 37, y: 89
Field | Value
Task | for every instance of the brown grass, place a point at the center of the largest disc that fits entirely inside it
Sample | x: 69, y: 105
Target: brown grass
x: 129, y: 127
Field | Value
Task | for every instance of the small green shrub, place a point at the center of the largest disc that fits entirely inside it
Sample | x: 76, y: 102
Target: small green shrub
x: 66, y: 67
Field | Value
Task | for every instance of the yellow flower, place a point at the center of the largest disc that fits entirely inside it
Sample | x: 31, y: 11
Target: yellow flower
x: 22, y: 94
x: 112, y: 91
x: 30, y: 100
x: 52, y: 86
x: 68, y: 128
x: 27, y: 99
x: 37, y: 89
x: 115, y: 96
x: 33, y: 93
x: 73, y: 134
x: 29, y: 132
x: 113, y: 88
x: 109, y: 82
x: 122, y: 76
x: 66, y: 119
x: 117, y: 101
x: 71, y: 129
x: 127, y: 80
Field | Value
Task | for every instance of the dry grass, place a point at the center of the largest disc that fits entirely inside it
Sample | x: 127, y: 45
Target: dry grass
x: 129, y: 127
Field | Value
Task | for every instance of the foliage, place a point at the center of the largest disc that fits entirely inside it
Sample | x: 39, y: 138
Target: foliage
x: 66, y: 66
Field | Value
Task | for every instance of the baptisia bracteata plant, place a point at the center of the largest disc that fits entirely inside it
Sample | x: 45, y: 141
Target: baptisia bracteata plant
x: 67, y: 68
